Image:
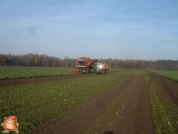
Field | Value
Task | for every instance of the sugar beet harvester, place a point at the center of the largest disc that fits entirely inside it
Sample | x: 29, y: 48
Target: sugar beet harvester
x: 83, y: 65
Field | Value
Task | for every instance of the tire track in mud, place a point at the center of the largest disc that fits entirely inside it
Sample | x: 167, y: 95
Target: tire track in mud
x: 134, y: 113
x: 79, y: 119
x: 168, y: 85
x: 109, y: 115
x: 136, y: 117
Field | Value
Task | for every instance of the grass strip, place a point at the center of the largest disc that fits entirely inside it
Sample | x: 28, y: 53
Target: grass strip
x: 162, y: 118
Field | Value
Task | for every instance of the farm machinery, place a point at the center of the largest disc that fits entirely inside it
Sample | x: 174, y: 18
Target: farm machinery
x: 86, y: 65
x: 101, y: 68
x: 83, y: 65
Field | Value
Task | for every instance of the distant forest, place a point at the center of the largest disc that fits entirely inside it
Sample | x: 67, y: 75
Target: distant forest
x: 50, y: 61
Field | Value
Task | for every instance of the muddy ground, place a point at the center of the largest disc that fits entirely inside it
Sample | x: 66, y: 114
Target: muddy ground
x: 124, y: 109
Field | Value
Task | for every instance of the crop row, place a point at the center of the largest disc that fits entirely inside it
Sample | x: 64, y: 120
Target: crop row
x: 9, y: 72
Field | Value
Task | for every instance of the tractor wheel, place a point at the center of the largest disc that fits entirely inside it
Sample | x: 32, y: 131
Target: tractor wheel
x: 102, y: 72
x: 107, y: 71
x: 94, y: 71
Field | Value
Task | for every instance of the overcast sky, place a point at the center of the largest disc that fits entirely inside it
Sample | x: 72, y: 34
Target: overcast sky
x: 122, y: 29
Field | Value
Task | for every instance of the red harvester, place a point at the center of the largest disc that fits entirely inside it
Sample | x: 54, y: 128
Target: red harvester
x: 83, y: 65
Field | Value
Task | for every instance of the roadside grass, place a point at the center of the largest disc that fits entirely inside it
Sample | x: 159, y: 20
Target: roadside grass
x: 169, y: 74
x: 162, y: 117
x: 13, y: 72
x: 36, y: 104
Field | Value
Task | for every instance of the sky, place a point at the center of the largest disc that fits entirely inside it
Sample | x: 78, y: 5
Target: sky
x: 117, y: 29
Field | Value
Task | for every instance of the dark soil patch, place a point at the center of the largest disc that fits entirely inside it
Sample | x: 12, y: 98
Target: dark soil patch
x: 136, y: 116
x: 12, y: 82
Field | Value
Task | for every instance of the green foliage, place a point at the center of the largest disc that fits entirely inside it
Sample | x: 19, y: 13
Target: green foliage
x: 10, y: 72
x: 169, y: 74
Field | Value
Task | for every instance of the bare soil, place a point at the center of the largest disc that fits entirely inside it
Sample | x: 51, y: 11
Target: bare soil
x: 11, y: 82
x: 124, y: 109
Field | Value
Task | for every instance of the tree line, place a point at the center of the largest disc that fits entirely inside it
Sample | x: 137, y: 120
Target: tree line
x: 44, y: 60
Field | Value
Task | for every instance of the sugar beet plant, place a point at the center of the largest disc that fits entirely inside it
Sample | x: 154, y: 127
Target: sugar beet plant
x: 9, y: 72
x: 169, y: 74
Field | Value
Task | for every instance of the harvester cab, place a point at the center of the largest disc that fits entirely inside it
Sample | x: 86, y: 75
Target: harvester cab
x: 81, y: 63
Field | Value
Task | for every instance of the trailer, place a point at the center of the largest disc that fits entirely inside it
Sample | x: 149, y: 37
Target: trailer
x: 101, y: 68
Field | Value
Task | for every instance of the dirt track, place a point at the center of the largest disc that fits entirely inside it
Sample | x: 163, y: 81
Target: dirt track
x: 123, y: 109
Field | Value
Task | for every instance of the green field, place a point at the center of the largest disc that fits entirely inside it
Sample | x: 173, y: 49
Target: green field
x: 10, y: 72
x: 37, y: 103
x: 169, y: 74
